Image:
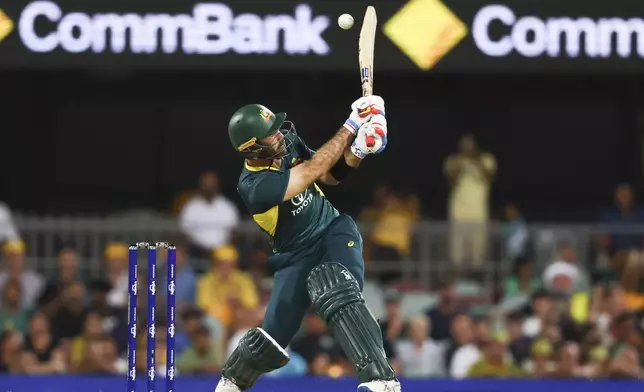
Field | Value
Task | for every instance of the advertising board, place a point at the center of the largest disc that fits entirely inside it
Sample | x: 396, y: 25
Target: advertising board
x: 417, y: 35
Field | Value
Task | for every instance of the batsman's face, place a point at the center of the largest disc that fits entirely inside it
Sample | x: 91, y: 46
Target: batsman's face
x: 276, y: 144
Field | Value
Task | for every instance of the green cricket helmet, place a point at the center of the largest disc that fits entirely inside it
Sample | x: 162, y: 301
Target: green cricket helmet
x: 250, y: 124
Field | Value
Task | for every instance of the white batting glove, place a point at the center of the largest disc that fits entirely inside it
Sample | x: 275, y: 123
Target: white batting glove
x: 362, y: 110
x: 371, y: 138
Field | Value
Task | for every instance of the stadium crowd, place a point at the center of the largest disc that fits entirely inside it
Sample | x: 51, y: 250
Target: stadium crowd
x: 555, y: 320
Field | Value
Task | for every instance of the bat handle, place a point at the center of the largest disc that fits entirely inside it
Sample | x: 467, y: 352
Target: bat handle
x: 369, y: 140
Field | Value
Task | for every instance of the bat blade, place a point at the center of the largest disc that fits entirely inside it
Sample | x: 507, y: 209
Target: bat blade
x: 366, y: 46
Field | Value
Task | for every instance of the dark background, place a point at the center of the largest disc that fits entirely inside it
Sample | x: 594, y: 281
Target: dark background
x: 88, y: 142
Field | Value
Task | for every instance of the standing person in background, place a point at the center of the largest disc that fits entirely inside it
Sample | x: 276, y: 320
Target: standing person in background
x: 516, y: 235
x: 469, y: 173
x: 8, y: 230
x: 624, y: 248
x: 116, y: 261
x: 420, y: 356
x: 13, y: 268
x: 209, y: 218
x: 225, y: 287
x: 390, y: 223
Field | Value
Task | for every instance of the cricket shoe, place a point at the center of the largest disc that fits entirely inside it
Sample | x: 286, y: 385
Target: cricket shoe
x: 225, y: 385
x: 380, y: 386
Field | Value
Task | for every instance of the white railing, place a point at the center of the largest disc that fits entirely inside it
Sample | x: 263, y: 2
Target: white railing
x: 429, y: 257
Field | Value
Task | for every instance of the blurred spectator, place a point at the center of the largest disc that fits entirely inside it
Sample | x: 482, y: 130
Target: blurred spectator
x: 160, y: 347
x: 41, y: 351
x: 625, y: 248
x: 626, y: 364
x: 225, y: 287
x: 624, y: 213
x: 204, y: 356
x: 191, y: 321
x: 540, y: 362
x: 80, y: 350
x: 100, y: 356
x: 482, y: 329
x: 441, y: 315
x: 521, y: 284
x: 8, y: 230
x: 419, y: 355
x: 50, y: 299
x: 594, y: 353
x: 494, y: 363
x: 209, y: 217
x: 245, y: 319
x: 388, y: 224
x: 69, y: 318
x: 515, y: 234
x: 392, y: 325
x: 519, y: 345
x: 185, y: 278
x: 113, y: 320
x: 14, y: 260
x: 543, y: 313
x: 316, y: 345
x: 462, y: 350
x: 565, y: 274
x: 469, y: 173
x: 14, y: 317
x: 10, y: 351
x: 116, y: 266
x: 567, y: 363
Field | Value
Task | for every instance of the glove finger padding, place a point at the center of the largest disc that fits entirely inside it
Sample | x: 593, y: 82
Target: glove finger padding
x: 378, y: 130
x: 371, y: 138
x: 362, y: 110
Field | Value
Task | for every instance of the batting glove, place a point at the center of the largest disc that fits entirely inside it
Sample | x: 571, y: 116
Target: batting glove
x: 371, y: 138
x: 362, y: 110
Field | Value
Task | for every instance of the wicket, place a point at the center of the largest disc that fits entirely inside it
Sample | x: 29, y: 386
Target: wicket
x: 151, y: 308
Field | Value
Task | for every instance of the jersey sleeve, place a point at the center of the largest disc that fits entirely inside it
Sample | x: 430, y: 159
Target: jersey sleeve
x: 264, y: 190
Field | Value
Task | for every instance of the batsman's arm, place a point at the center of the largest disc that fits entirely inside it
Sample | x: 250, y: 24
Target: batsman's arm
x: 305, y: 174
x: 341, y: 169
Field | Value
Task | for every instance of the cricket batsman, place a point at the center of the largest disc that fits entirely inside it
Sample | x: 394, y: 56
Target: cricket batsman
x: 317, y: 252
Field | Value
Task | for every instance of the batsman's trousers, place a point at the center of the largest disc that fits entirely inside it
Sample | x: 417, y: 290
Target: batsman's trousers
x: 341, y: 243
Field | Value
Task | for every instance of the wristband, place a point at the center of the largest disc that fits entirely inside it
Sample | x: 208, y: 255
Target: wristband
x: 340, y: 171
x: 351, y: 126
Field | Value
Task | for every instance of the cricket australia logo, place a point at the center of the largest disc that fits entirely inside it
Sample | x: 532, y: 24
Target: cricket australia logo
x: 153, y: 288
x: 171, y: 330
x: 301, y: 201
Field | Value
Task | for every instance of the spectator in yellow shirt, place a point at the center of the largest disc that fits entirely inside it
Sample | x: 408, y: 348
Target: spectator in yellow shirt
x: 225, y: 287
x: 494, y: 364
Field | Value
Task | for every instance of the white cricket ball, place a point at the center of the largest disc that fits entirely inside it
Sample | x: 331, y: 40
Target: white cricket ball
x: 345, y: 21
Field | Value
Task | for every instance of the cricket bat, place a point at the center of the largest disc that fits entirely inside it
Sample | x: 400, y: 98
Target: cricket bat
x: 366, y: 45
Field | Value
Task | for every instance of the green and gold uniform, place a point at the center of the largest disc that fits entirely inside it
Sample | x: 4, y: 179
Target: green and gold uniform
x: 317, y: 257
x: 304, y: 232
x: 292, y: 223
